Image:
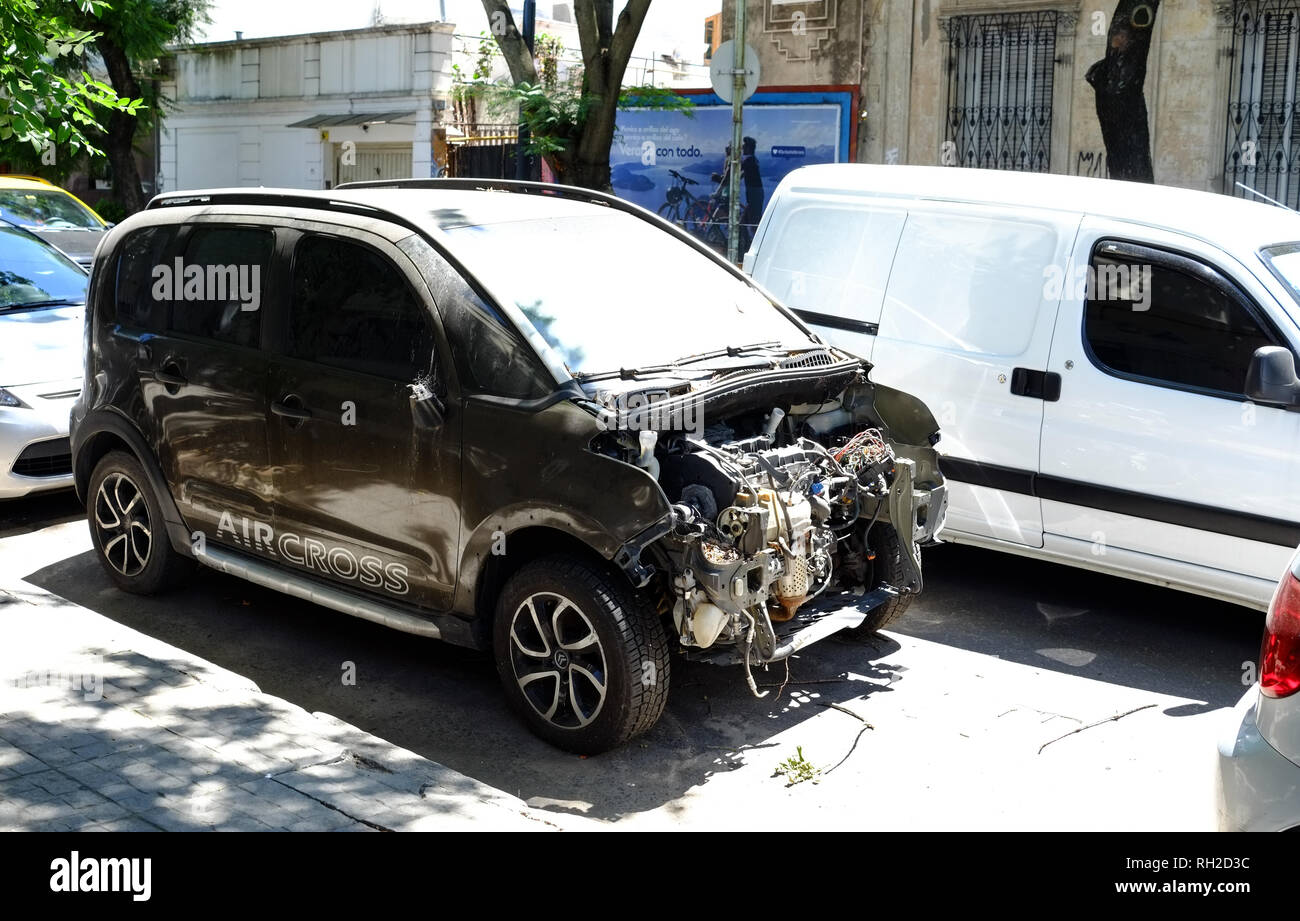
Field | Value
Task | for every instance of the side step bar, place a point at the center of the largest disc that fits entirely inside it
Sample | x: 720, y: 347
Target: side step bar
x: 268, y: 576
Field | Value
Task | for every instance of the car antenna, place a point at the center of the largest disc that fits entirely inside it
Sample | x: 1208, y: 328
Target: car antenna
x: 1271, y: 201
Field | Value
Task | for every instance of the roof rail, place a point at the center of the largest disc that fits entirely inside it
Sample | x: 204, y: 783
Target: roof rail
x: 280, y: 198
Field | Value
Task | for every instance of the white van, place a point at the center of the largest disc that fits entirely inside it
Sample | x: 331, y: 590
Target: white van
x: 1112, y: 364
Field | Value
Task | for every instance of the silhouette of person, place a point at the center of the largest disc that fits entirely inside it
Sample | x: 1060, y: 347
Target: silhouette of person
x: 752, y: 177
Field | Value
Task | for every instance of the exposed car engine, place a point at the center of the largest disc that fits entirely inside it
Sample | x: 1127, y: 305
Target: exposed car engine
x: 765, y: 519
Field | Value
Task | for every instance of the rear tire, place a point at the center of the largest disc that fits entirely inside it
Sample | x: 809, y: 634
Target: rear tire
x: 127, y: 528
x: 582, y: 656
x: 886, y: 569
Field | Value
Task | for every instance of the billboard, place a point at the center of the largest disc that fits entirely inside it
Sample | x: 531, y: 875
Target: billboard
x: 672, y: 162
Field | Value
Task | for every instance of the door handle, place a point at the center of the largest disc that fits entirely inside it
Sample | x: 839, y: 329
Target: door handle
x: 291, y: 407
x: 170, y: 374
x: 1037, y: 385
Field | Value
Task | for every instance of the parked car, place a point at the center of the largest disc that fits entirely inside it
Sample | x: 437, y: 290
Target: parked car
x: 1259, y: 750
x: 57, y: 216
x: 517, y: 417
x: 1112, y: 363
x: 41, y: 324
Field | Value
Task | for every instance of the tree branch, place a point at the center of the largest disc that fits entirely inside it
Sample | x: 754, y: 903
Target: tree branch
x: 593, y: 59
x: 518, y: 58
x: 624, y: 40
x: 605, y: 21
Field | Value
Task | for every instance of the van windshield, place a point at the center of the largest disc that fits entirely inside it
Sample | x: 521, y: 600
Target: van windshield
x: 609, y: 291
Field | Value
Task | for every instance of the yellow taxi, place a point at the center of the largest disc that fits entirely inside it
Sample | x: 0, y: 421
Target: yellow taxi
x: 55, y: 215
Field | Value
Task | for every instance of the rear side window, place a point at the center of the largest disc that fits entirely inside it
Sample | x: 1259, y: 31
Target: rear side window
x: 1157, y: 322
x: 353, y: 309
x: 141, y: 253
x: 833, y: 260
x: 216, y: 290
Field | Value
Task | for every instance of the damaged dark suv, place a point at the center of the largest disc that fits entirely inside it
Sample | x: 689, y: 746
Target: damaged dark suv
x: 522, y: 418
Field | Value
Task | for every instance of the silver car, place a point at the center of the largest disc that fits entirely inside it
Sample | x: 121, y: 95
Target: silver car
x: 42, y: 310
x: 1259, y: 749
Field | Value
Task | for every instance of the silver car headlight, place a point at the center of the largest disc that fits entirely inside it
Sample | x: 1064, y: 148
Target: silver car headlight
x: 8, y: 399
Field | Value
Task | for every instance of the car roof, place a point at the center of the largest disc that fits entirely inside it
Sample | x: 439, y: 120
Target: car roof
x: 1233, y: 224
x: 10, y: 181
x: 436, y: 210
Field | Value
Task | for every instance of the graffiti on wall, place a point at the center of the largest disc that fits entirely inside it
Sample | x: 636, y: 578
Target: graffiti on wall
x: 1091, y: 163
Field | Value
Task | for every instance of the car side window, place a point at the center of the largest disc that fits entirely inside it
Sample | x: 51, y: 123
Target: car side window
x: 1170, y: 326
x: 216, y: 290
x: 353, y: 309
x: 490, y: 355
x: 134, y: 298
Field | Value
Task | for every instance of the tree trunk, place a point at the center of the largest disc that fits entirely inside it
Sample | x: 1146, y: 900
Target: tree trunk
x: 1118, y: 81
x: 119, y: 136
x: 606, y: 48
x: 591, y: 163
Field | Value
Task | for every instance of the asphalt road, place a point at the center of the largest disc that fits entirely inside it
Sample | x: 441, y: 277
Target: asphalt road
x: 1000, y: 656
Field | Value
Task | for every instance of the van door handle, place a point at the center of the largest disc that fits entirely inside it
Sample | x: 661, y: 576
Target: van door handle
x: 1037, y: 385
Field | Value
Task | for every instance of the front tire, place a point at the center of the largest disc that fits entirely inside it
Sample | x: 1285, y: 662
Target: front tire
x: 127, y: 528
x: 583, y: 658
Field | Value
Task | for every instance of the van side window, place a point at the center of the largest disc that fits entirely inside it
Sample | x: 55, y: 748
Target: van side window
x: 969, y: 284
x: 353, y: 309
x: 834, y: 260
x: 134, y: 296
x: 1155, y: 321
x: 218, y: 293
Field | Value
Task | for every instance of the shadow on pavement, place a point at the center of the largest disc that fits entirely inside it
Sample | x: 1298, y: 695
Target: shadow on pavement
x: 445, y: 702
x: 22, y: 516
x: 1087, y: 624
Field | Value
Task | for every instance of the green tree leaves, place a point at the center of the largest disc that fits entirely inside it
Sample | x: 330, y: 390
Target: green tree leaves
x: 47, y: 99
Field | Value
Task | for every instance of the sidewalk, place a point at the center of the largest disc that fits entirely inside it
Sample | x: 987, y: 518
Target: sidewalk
x: 103, y: 728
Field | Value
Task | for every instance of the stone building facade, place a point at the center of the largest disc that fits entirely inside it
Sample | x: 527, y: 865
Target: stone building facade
x: 1001, y: 83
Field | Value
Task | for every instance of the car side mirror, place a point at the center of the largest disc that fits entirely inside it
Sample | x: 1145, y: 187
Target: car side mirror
x: 1272, y: 377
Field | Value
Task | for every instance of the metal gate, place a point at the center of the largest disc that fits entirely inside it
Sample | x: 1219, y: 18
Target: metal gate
x: 1263, y: 142
x: 367, y: 161
x: 1000, y: 75
x: 482, y: 151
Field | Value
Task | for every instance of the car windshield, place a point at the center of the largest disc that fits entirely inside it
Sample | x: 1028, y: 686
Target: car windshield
x: 608, y: 290
x: 35, y: 274
x: 1283, y: 261
x: 39, y: 209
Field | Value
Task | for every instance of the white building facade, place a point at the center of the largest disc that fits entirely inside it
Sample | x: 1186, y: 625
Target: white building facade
x: 307, y: 111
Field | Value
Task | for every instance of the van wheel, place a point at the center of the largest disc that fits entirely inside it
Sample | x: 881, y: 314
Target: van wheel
x: 885, y: 569
x: 126, y: 526
x: 583, y: 657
